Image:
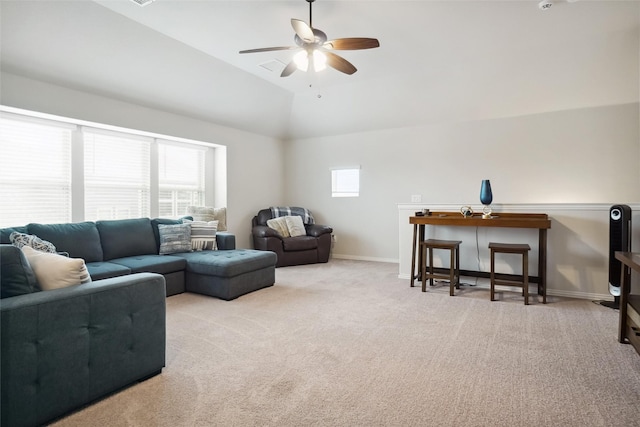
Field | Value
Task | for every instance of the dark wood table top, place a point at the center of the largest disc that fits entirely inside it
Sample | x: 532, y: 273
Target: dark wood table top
x: 500, y: 219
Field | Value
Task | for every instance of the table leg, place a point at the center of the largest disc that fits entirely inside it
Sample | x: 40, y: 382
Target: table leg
x: 413, y: 253
x: 542, y: 264
x: 625, y: 286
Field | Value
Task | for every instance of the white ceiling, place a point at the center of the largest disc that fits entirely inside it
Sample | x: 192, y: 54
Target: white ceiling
x: 438, y: 60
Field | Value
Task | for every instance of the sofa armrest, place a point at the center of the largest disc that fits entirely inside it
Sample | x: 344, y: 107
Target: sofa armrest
x: 264, y: 231
x: 225, y: 241
x: 316, y: 230
x: 64, y: 348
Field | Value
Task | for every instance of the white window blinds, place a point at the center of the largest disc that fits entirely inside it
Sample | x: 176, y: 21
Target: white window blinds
x: 35, y: 177
x: 181, y: 171
x: 116, y: 175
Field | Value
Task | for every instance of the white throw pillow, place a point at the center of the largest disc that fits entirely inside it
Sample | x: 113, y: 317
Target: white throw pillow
x: 295, y: 226
x: 203, y: 235
x: 207, y: 214
x: 55, y: 271
x: 280, y: 225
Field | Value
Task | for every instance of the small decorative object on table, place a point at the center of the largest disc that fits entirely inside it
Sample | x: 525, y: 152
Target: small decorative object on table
x: 466, y: 211
x: 486, y: 197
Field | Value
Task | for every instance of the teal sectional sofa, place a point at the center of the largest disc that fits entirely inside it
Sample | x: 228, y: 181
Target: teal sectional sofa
x: 62, y: 349
x: 115, y: 248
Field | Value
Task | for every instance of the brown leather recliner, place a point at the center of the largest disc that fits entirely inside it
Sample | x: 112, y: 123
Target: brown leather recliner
x: 312, y: 248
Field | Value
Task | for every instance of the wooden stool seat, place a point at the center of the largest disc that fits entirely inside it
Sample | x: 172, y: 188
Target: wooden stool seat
x: 511, y: 248
x: 454, y: 266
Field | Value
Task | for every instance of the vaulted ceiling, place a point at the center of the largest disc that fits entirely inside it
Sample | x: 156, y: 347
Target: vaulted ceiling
x: 437, y: 60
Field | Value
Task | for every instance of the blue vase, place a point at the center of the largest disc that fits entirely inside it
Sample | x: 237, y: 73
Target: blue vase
x: 486, y: 197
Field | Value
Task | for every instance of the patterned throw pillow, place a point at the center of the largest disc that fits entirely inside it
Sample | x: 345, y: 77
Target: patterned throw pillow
x: 174, y: 238
x: 55, y: 271
x: 20, y: 239
x: 295, y: 226
x: 203, y: 235
x: 280, y: 225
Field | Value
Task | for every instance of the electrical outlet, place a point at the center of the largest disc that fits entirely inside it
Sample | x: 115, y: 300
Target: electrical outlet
x: 416, y: 198
x: 334, y: 238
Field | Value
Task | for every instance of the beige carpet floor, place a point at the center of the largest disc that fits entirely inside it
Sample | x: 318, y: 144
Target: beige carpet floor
x: 349, y: 344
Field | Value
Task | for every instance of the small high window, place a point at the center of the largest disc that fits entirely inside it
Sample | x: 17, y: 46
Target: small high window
x: 345, y: 182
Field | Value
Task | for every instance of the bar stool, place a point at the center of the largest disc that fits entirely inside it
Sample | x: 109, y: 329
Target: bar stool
x: 511, y: 248
x: 454, y: 266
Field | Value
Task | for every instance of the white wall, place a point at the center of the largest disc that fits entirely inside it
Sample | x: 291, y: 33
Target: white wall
x: 577, y: 156
x: 254, y: 163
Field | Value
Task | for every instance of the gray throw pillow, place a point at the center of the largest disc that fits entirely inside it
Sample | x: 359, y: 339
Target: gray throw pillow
x: 174, y: 238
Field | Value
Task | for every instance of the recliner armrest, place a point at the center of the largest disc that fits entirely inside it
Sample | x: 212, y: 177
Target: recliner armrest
x: 317, y: 230
x: 225, y: 241
x: 264, y: 231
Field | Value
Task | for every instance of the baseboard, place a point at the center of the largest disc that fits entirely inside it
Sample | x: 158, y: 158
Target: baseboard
x: 482, y: 284
x: 364, y: 258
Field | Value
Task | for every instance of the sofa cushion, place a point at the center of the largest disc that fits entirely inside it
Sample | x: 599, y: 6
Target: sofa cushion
x: 55, y: 271
x: 5, y: 233
x: 228, y: 263
x: 161, y: 264
x: 300, y: 243
x: 126, y: 237
x: 78, y: 239
x: 106, y: 270
x: 16, y: 275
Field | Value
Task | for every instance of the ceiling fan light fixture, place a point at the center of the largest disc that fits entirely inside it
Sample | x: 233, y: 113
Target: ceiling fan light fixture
x: 302, y: 60
x: 319, y: 60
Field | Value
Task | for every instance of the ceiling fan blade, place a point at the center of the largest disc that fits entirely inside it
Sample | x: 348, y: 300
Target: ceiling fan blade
x: 289, y: 69
x: 339, y: 63
x: 268, y: 49
x: 353, y: 43
x: 303, y: 30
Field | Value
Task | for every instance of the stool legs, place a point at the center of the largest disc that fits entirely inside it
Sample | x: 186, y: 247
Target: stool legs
x: 454, y: 259
x: 423, y: 272
x: 493, y: 275
x: 525, y: 280
x: 511, y: 248
x: 452, y: 272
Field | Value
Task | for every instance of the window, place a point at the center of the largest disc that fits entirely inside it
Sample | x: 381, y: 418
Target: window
x: 116, y: 176
x: 35, y: 177
x: 345, y: 182
x: 180, y: 177
x: 58, y: 170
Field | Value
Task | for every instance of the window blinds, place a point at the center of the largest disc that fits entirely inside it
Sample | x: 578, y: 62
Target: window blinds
x: 116, y: 175
x: 181, y: 170
x: 35, y: 177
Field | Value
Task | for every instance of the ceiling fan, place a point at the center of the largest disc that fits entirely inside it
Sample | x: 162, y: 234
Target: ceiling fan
x: 317, y: 50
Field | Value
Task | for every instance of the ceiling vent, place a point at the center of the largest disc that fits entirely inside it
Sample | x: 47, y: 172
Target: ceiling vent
x: 142, y: 2
x: 274, y: 65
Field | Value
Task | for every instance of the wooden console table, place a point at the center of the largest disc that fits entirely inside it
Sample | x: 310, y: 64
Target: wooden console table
x: 500, y: 220
x: 629, y: 328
